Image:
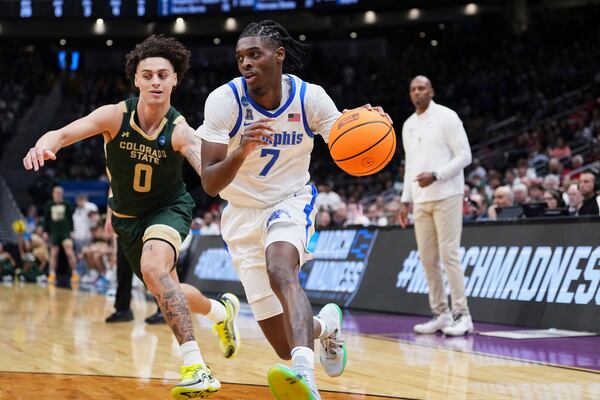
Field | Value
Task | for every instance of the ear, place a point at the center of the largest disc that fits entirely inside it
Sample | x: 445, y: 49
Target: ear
x: 135, y: 81
x: 174, y: 79
x: 280, y: 54
x: 432, y: 92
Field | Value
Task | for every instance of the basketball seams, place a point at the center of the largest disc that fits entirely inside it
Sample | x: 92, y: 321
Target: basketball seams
x: 384, y: 162
x: 370, y: 147
x: 331, y: 144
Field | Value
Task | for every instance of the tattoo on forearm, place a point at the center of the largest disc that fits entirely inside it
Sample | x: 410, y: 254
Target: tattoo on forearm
x: 192, y: 152
x: 194, y: 159
x: 175, y: 309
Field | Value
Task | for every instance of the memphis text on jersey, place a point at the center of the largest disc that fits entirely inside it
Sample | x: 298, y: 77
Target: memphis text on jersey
x: 285, y: 138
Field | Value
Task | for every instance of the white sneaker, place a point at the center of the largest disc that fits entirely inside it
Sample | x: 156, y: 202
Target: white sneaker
x: 89, y: 278
x: 462, y: 325
x: 332, y: 354
x: 437, y: 323
x: 196, y: 382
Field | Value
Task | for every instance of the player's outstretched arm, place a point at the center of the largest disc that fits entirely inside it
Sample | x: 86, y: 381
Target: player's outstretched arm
x: 104, y: 120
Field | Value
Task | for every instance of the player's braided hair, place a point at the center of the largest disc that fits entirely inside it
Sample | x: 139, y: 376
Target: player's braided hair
x: 159, y: 46
x: 271, y: 30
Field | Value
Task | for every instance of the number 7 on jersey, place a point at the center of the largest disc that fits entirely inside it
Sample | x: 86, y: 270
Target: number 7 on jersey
x: 274, y: 153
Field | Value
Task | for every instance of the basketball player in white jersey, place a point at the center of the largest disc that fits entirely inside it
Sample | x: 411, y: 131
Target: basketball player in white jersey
x: 257, y: 138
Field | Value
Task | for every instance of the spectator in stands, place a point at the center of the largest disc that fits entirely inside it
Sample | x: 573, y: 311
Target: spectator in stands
x: 551, y: 182
x: 536, y: 192
x: 210, y: 227
x: 575, y: 198
x: 560, y: 150
x: 538, y: 157
x: 38, y: 246
x: 476, y: 210
x: 99, y: 256
x: 375, y: 216
x: 555, y: 167
x: 82, y: 224
x: 7, y: 265
x: 356, y: 215
x: 503, y: 197
x: 588, y: 189
x: 327, y: 199
x: 494, y: 182
x: 437, y: 151
x: 340, y: 215
x: 525, y: 174
x: 323, y: 219
x: 553, y: 199
x: 520, y: 194
x: 33, y: 265
x: 32, y: 220
x: 477, y: 170
x: 58, y: 226
x: 576, y: 163
x: 392, y: 212
x: 509, y: 177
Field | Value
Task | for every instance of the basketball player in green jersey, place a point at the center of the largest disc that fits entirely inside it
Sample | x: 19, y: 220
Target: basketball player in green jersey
x: 146, y: 140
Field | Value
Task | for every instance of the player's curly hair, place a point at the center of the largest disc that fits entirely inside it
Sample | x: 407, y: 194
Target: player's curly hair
x: 159, y: 46
x: 271, y: 30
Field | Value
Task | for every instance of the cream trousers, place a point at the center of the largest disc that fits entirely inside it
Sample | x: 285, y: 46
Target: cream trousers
x: 438, y: 226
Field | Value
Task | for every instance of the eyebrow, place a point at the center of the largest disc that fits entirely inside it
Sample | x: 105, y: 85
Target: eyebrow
x: 160, y: 70
x: 248, y: 49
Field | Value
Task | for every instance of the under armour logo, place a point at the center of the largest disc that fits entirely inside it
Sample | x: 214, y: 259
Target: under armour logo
x: 125, y: 134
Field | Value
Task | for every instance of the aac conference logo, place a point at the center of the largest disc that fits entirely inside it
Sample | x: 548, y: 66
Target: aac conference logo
x: 557, y: 274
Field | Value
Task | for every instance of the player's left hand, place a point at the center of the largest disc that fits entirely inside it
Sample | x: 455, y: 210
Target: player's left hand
x: 377, y: 109
x: 425, y: 179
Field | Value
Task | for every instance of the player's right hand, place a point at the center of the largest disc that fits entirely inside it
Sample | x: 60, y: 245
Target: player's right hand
x: 35, y: 157
x: 108, y: 228
x: 403, y: 215
x: 257, y: 134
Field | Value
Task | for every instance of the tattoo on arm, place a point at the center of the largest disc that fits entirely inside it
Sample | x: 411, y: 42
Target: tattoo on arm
x: 147, y: 247
x: 175, y: 309
x: 192, y: 150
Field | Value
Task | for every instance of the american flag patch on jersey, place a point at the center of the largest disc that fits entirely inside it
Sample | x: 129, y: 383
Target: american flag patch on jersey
x: 294, y: 117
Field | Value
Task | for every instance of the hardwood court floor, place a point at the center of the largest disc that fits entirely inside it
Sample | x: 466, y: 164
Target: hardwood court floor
x: 54, y: 344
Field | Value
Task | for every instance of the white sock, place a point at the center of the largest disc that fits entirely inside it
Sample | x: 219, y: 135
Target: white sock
x: 217, y: 312
x: 191, y: 353
x: 319, y: 322
x: 303, y: 357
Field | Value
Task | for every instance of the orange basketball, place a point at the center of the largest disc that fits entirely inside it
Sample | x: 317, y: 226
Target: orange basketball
x: 362, y: 142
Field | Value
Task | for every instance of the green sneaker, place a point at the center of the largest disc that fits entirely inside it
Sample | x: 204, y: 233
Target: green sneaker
x: 286, y: 384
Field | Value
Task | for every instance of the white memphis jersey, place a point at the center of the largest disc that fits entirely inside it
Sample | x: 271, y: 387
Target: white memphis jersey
x: 280, y: 169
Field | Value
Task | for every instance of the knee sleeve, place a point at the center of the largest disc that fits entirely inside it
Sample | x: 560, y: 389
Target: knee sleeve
x: 263, y: 302
x: 266, y: 308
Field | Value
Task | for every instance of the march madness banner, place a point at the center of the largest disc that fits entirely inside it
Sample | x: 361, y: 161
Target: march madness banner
x: 534, y: 274
x: 340, y: 260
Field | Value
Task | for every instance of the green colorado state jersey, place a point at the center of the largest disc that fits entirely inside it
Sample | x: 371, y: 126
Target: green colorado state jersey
x: 144, y: 171
x: 58, y: 219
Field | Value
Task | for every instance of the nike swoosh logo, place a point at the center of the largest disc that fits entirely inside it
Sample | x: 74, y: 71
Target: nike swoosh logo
x: 249, y: 123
